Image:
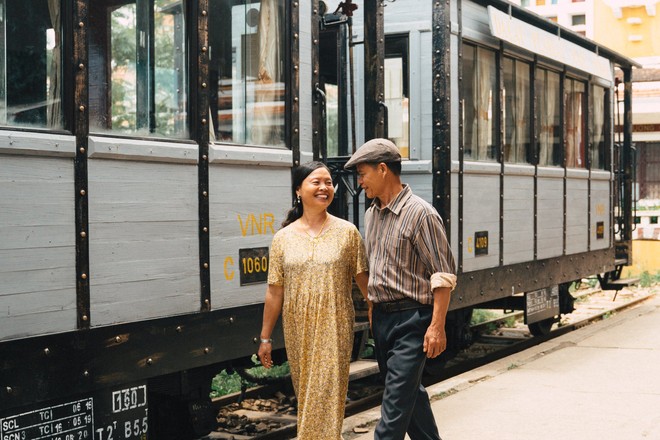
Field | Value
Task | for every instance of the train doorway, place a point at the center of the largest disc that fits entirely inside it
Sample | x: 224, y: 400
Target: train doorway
x: 335, y: 86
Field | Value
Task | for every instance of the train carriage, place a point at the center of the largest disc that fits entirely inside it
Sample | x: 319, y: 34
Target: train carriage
x: 509, y: 124
x: 146, y: 149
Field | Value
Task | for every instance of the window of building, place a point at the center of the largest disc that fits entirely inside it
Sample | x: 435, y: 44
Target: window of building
x: 548, y: 127
x: 30, y: 64
x: 516, y: 107
x: 553, y: 19
x: 574, y: 123
x: 653, y: 220
x: 525, y: 3
x: 138, y: 75
x: 598, y: 152
x: 397, y: 92
x: 648, y: 170
x: 540, y: 2
x: 247, y: 71
x: 637, y: 220
x: 479, y: 92
x: 577, y: 20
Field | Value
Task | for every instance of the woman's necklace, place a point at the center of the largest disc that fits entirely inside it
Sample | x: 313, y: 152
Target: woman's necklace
x: 315, y: 237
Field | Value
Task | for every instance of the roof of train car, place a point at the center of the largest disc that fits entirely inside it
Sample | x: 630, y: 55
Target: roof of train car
x: 565, y: 33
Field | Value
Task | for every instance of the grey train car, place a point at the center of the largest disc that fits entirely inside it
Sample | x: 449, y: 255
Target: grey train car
x: 146, y: 149
x: 518, y: 131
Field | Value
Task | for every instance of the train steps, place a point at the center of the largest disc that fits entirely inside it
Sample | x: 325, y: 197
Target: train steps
x: 619, y: 284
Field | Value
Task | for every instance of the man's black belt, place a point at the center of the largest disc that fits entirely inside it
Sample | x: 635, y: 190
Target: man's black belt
x: 399, y: 305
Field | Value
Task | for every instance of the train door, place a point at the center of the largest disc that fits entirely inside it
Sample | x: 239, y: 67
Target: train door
x: 336, y: 108
x: 334, y: 86
x: 334, y: 91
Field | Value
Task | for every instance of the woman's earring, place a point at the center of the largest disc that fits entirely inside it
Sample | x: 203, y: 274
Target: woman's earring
x: 298, y: 200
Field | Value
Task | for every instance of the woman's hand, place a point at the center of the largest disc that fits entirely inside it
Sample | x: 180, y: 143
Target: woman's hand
x: 265, y: 349
x: 272, y: 309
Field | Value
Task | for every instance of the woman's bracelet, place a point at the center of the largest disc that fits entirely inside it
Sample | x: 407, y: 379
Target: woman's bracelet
x: 266, y: 340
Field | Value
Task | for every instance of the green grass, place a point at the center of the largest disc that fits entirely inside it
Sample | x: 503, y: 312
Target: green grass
x: 225, y: 383
x: 646, y: 279
x: 483, y: 315
x: 231, y: 382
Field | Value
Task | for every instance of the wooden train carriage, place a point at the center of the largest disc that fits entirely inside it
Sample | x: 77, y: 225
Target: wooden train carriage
x: 145, y: 160
x: 507, y: 124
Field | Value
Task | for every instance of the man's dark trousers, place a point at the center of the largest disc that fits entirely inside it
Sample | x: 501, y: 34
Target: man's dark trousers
x: 399, y: 338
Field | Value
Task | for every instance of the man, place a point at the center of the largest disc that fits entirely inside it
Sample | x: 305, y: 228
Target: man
x: 411, y: 276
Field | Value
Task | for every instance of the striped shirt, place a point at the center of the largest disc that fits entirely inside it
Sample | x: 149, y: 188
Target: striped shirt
x: 408, y: 251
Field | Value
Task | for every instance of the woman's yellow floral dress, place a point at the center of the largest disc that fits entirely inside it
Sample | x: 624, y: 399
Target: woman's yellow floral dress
x: 317, y: 316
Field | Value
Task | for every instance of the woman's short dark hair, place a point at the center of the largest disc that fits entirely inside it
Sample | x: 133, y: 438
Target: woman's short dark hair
x: 299, y: 174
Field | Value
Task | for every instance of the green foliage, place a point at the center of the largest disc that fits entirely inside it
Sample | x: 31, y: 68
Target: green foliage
x: 275, y: 371
x: 368, y: 352
x: 482, y: 315
x: 227, y: 383
x: 510, y: 322
x: 646, y: 279
x: 591, y: 282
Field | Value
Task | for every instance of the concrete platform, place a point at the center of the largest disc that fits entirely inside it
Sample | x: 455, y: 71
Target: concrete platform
x: 601, y: 382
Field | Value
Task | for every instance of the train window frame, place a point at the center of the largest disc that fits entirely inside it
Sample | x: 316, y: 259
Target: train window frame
x: 397, y: 47
x: 275, y: 82
x: 156, y: 68
x: 599, y: 157
x: 519, y: 119
x: 44, y: 62
x: 490, y: 152
x: 548, y: 134
x: 575, y: 122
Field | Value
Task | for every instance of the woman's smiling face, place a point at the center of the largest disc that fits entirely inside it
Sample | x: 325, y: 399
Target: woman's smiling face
x: 317, y: 189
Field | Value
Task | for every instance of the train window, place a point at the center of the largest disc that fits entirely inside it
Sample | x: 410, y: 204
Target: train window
x: 479, y: 91
x: 574, y: 123
x: 30, y: 63
x: 516, y: 107
x: 397, y: 94
x: 548, y: 120
x: 138, y: 75
x: 598, y: 151
x: 247, y: 72
x: 333, y: 82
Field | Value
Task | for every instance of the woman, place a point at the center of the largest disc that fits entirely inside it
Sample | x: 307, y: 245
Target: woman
x: 313, y: 260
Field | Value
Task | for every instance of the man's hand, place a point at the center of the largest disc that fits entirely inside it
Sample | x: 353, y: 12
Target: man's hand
x: 435, y: 341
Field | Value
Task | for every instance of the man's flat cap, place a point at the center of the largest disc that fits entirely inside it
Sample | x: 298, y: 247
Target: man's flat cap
x: 374, y: 151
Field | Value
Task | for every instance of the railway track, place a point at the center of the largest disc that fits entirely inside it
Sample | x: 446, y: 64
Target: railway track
x: 268, y: 412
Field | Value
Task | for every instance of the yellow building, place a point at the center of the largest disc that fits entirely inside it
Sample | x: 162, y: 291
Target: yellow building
x: 631, y: 27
